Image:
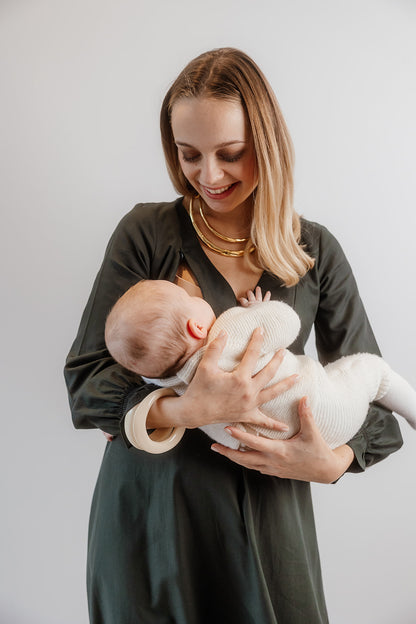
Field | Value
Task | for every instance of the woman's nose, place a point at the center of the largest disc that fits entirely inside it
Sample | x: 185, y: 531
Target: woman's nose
x: 211, y: 172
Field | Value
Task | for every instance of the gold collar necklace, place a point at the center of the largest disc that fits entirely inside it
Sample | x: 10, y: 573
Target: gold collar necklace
x: 228, y: 239
x: 219, y: 250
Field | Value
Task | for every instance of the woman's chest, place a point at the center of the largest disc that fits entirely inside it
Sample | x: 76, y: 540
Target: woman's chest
x: 239, y: 274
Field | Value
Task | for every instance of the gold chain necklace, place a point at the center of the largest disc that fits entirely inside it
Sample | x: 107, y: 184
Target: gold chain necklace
x: 219, y: 250
x: 228, y: 239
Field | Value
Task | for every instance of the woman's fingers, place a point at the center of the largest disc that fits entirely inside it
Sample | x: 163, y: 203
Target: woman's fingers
x: 248, y: 459
x: 253, y: 441
x: 264, y: 376
x: 259, y: 419
x: 214, y: 349
x: 252, y: 458
x: 251, y: 355
x: 271, y: 392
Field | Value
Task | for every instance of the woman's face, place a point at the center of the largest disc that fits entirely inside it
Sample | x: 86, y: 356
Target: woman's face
x: 216, y: 151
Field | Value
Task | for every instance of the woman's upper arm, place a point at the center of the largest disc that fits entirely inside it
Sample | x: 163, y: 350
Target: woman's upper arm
x: 100, y: 390
x: 342, y: 328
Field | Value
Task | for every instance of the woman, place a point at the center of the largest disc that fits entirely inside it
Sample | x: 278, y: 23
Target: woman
x: 192, y: 536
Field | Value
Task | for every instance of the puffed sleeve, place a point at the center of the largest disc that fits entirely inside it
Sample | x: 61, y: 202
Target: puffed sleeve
x: 100, y: 390
x: 342, y: 328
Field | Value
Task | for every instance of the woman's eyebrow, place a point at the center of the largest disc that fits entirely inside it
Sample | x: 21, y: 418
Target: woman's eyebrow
x: 183, y: 144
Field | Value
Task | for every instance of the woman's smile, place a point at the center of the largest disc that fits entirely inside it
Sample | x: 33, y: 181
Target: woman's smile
x: 220, y: 193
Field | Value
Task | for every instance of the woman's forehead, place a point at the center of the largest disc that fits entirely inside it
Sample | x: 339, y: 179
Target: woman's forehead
x: 218, y: 123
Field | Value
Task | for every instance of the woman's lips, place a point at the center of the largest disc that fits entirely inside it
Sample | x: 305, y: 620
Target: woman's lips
x: 221, y: 192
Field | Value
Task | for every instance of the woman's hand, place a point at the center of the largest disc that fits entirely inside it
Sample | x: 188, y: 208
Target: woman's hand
x: 304, y: 457
x: 216, y: 396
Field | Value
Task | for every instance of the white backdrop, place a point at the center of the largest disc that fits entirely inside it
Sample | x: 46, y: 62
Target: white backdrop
x: 80, y: 90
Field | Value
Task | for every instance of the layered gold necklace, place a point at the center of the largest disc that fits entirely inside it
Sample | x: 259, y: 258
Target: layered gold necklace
x: 219, y: 250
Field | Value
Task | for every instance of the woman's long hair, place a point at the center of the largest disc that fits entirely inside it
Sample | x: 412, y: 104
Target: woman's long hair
x: 229, y: 74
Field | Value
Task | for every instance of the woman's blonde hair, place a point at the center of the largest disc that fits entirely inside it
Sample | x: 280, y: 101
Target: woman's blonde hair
x: 227, y: 73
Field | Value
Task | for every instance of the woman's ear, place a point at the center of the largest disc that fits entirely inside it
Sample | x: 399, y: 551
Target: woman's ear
x: 196, y: 329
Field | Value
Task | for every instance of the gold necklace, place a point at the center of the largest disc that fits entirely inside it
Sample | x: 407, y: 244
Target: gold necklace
x: 219, y: 250
x: 217, y: 234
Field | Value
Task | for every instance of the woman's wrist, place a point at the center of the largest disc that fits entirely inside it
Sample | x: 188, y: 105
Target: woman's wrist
x: 167, y: 411
x: 344, y: 456
x: 154, y: 440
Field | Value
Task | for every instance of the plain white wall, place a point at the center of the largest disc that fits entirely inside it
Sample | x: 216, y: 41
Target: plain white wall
x: 80, y: 89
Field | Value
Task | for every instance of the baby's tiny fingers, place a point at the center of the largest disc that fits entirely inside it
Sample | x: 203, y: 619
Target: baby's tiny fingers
x: 267, y: 296
x: 258, y: 294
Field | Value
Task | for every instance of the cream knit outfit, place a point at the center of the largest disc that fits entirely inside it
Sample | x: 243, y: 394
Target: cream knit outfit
x: 339, y: 393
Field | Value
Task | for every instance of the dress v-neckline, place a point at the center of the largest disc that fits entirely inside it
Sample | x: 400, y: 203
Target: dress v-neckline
x: 214, y: 286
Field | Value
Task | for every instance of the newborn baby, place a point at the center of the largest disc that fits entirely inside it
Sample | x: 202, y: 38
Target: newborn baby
x: 159, y: 331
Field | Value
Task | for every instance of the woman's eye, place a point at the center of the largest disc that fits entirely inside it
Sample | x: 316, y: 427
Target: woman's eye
x: 190, y: 158
x: 232, y: 157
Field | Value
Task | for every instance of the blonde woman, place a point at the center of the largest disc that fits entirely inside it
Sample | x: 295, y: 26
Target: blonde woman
x: 189, y: 535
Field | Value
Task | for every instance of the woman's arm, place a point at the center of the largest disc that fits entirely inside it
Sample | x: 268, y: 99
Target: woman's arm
x: 342, y: 328
x: 101, y: 391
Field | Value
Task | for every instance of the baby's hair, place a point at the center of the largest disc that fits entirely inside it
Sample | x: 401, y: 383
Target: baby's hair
x: 146, y: 321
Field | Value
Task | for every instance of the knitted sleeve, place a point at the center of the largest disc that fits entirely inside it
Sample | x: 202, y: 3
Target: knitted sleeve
x: 342, y: 328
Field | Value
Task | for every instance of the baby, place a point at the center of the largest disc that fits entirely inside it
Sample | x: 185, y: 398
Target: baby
x: 159, y: 331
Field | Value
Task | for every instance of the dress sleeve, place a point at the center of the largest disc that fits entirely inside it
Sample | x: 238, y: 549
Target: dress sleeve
x: 342, y: 328
x: 100, y: 390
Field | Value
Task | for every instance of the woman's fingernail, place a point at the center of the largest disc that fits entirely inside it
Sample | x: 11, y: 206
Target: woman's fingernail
x: 214, y: 448
x: 306, y: 403
x: 230, y: 431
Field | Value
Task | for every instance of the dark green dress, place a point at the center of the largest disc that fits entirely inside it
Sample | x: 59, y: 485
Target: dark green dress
x: 188, y: 537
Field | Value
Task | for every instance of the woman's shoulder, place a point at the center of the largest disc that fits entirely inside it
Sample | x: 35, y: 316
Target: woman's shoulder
x: 148, y: 224
x: 317, y: 239
x: 151, y: 213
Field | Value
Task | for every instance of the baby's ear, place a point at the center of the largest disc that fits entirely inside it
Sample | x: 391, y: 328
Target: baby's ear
x: 196, y: 329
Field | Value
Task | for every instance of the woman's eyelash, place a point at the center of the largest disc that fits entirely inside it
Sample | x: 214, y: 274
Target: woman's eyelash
x: 233, y: 158
x: 190, y: 158
x: 225, y: 157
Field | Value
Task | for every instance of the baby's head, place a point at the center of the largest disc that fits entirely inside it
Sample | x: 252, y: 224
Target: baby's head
x: 156, y: 326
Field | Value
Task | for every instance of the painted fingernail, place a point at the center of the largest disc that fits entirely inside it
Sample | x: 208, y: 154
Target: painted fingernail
x: 214, y: 448
x: 230, y: 431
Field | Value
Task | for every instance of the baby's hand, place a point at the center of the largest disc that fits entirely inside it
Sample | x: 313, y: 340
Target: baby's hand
x: 255, y: 297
